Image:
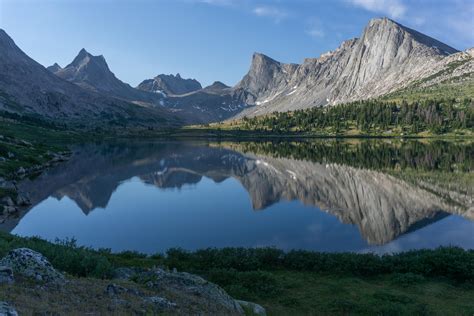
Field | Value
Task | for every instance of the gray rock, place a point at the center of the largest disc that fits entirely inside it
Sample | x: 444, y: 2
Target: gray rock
x: 10, y: 209
x: 21, y: 170
x: 32, y: 264
x: 192, y: 284
x: 255, y: 308
x: 7, y: 201
x: 126, y: 273
x: 161, y: 302
x: 9, y: 185
x: 7, y: 310
x: 3, y: 159
x: 6, y: 275
x: 10, y: 155
x: 22, y: 200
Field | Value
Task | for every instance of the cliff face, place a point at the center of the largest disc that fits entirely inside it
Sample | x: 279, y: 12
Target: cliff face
x: 382, y: 206
x: 387, y: 57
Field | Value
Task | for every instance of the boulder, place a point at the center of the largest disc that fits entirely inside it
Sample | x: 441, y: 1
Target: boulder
x: 5, y: 184
x: 10, y: 209
x: 32, y: 264
x: 125, y: 273
x: 6, y: 275
x: 161, y: 302
x: 255, y: 308
x: 22, y: 200
x: 193, y: 285
x: 7, y: 310
x: 8, y: 201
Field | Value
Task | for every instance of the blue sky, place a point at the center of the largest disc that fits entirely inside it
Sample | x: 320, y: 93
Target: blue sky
x: 213, y: 39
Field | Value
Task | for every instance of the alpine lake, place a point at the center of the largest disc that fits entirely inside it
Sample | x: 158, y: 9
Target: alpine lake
x: 372, y: 195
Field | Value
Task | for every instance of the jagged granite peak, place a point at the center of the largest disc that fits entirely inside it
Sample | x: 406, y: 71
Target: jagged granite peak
x: 93, y: 73
x: 170, y: 85
x: 265, y: 75
x: 29, y: 88
x: 385, y: 26
x: 386, y: 57
x: 54, y: 68
x: 90, y: 72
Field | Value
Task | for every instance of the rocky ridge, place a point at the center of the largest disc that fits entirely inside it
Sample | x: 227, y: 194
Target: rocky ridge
x: 27, y: 87
x: 169, y: 85
x: 92, y: 73
x: 387, y: 57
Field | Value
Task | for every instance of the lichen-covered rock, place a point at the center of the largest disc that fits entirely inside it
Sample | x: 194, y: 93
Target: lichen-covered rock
x: 10, y: 210
x: 161, y: 302
x: 126, y: 273
x: 255, y: 308
x: 6, y: 275
x: 215, y: 296
x: 7, y: 201
x: 32, y: 264
x: 22, y: 200
x: 7, y: 310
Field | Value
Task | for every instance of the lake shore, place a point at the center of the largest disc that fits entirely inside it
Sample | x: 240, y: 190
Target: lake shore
x: 435, y: 282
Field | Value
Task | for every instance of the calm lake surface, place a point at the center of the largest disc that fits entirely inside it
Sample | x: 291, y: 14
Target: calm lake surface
x: 325, y: 195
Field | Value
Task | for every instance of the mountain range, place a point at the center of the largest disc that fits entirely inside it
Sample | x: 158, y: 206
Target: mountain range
x: 388, y: 57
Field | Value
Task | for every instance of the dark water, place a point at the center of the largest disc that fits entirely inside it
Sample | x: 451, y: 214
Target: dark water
x: 326, y: 195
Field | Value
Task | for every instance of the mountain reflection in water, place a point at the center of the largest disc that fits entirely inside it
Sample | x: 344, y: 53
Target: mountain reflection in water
x: 384, y: 188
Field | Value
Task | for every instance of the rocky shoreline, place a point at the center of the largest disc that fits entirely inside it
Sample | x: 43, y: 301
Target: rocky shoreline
x: 14, y: 201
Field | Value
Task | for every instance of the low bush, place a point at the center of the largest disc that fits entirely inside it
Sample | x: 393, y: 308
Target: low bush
x: 63, y: 255
x: 245, y: 285
x: 449, y: 262
x: 408, y: 267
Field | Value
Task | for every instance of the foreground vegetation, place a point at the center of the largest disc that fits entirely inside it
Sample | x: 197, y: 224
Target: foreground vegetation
x: 422, y: 282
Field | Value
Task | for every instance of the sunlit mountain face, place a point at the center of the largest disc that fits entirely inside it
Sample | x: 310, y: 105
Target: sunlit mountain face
x: 326, y: 195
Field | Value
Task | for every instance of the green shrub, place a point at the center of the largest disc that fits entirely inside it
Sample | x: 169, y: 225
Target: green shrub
x: 407, y: 279
x: 245, y: 285
x: 64, y: 255
x: 450, y: 262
